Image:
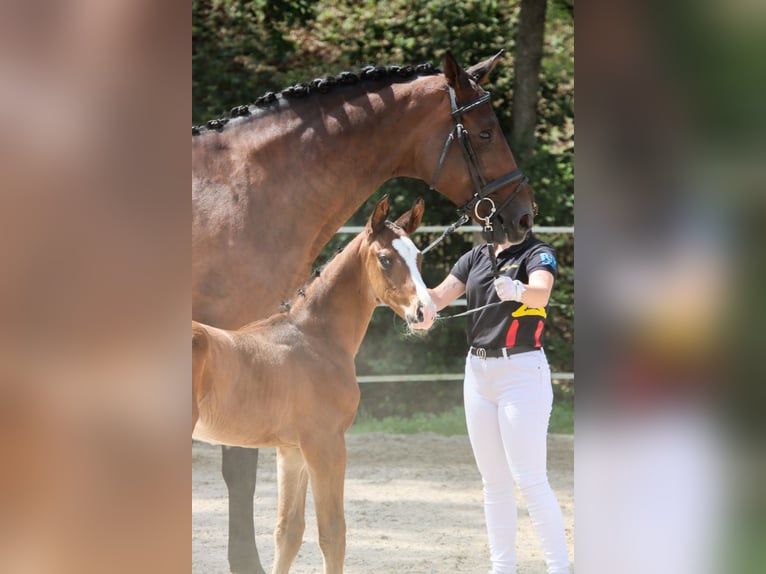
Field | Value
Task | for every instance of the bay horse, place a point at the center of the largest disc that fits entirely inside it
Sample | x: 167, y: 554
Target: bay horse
x: 289, y: 381
x: 273, y: 182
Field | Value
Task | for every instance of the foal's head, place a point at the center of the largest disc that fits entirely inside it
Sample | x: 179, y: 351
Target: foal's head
x: 392, y: 263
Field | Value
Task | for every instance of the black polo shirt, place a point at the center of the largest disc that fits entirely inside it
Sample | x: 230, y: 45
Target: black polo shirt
x: 509, y: 324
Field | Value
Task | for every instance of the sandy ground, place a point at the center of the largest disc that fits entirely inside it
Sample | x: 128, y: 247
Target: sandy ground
x: 413, y: 505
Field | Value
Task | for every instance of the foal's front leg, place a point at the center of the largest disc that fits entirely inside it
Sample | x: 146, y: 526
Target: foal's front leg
x: 326, y: 459
x: 292, y: 481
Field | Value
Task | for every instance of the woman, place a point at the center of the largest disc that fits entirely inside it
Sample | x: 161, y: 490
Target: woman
x: 507, y: 391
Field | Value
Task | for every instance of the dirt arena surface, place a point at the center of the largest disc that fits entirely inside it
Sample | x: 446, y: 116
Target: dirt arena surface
x: 413, y: 505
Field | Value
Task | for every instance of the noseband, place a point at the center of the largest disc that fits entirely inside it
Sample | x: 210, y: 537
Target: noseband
x: 482, y: 188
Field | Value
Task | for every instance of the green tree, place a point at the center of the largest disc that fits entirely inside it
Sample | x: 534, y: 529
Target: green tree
x: 526, y: 83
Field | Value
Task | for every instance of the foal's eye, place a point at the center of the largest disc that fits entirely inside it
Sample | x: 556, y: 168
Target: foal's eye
x: 385, y: 261
x: 485, y: 135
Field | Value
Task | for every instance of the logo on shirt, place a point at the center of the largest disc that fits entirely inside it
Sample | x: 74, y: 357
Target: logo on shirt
x: 548, y: 259
x: 525, y: 311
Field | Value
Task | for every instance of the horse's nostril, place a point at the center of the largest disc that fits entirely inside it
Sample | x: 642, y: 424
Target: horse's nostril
x: 420, y: 315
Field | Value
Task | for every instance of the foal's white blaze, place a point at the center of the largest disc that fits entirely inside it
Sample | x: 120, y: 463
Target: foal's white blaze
x: 406, y: 248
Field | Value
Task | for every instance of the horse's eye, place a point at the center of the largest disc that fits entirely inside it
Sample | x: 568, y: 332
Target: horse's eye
x: 385, y: 261
x: 485, y: 135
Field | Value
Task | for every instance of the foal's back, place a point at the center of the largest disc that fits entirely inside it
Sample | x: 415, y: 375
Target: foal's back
x: 268, y: 384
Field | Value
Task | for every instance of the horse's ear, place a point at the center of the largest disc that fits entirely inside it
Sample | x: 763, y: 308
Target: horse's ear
x: 410, y: 221
x: 481, y: 71
x: 377, y: 220
x: 456, y: 76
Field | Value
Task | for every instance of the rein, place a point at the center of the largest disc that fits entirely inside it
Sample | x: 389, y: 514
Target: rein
x: 472, y: 311
x: 483, y: 189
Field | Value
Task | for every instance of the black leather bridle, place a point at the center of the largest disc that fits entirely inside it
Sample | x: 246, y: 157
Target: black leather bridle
x: 482, y: 188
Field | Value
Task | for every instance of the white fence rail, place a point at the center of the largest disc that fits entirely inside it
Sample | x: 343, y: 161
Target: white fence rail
x: 557, y: 378
x: 465, y: 229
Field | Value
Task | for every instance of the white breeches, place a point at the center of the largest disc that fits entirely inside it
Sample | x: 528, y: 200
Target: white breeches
x: 507, y: 405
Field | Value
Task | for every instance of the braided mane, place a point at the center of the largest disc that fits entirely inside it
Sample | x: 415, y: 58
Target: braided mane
x: 319, y: 86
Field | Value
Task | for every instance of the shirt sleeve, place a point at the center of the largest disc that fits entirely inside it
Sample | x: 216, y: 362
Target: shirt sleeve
x: 543, y: 258
x: 463, y: 266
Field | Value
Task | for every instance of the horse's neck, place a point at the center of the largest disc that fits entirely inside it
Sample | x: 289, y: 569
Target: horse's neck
x: 338, y: 305
x: 319, y: 159
x: 271, y: 190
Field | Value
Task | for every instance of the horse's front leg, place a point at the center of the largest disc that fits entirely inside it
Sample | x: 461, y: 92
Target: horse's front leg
x: 292, y: 482
x: 326, y: 459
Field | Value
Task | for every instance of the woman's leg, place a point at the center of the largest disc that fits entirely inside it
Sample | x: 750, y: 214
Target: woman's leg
x: 499, y: 498
x: 525, y: 407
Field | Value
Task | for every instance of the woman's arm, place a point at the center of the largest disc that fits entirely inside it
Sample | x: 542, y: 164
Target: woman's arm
x: 538, y: 290
x: 446, y: 292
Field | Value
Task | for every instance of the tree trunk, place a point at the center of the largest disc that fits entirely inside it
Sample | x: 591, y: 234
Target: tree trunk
x: 526, y: 81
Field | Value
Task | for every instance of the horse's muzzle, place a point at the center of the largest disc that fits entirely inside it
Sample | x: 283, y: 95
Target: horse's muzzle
x: 516, y: 230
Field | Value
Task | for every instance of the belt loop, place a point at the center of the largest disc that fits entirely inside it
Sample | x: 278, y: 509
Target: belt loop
x: 505, y: 352
x: 482, y: 353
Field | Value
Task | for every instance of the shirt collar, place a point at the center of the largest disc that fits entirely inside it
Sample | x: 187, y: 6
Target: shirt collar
x: 520, y: 248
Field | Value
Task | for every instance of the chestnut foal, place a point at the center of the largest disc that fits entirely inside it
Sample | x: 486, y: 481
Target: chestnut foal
x: 289, y: 381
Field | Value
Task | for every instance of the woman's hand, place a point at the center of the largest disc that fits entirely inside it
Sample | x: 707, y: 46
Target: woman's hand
x: 509, y: 289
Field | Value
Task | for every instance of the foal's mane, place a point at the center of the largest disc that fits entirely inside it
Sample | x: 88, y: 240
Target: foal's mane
x: 317, y: 272
x: 388, y: 74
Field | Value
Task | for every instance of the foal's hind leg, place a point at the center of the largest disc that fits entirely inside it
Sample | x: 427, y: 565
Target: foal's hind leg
x: 292, y: 481
x: 326, y: 459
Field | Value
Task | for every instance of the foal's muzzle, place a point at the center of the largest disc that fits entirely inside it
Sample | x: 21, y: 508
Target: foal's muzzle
x: 423, y: 316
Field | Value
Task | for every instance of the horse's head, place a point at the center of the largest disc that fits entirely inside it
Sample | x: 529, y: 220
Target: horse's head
x: 475, y: 167
x: 393, y: 265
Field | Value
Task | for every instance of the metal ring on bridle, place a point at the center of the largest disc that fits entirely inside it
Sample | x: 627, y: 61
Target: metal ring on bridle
x: 488, y: 219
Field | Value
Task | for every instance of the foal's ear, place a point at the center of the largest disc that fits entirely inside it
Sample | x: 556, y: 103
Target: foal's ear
x: 480, y: 72
x: 410, y: 221
x: 456, y: 76
x: 377, y: 220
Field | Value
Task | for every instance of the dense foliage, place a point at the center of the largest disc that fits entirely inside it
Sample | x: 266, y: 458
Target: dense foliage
x: 241, y: 49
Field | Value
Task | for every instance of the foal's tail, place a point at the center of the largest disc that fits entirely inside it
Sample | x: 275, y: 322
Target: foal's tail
x: 200, y: 341
x: 200, y: 347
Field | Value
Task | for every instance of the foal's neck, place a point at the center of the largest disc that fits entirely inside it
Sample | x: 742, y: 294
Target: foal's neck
x: 338, y: 305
